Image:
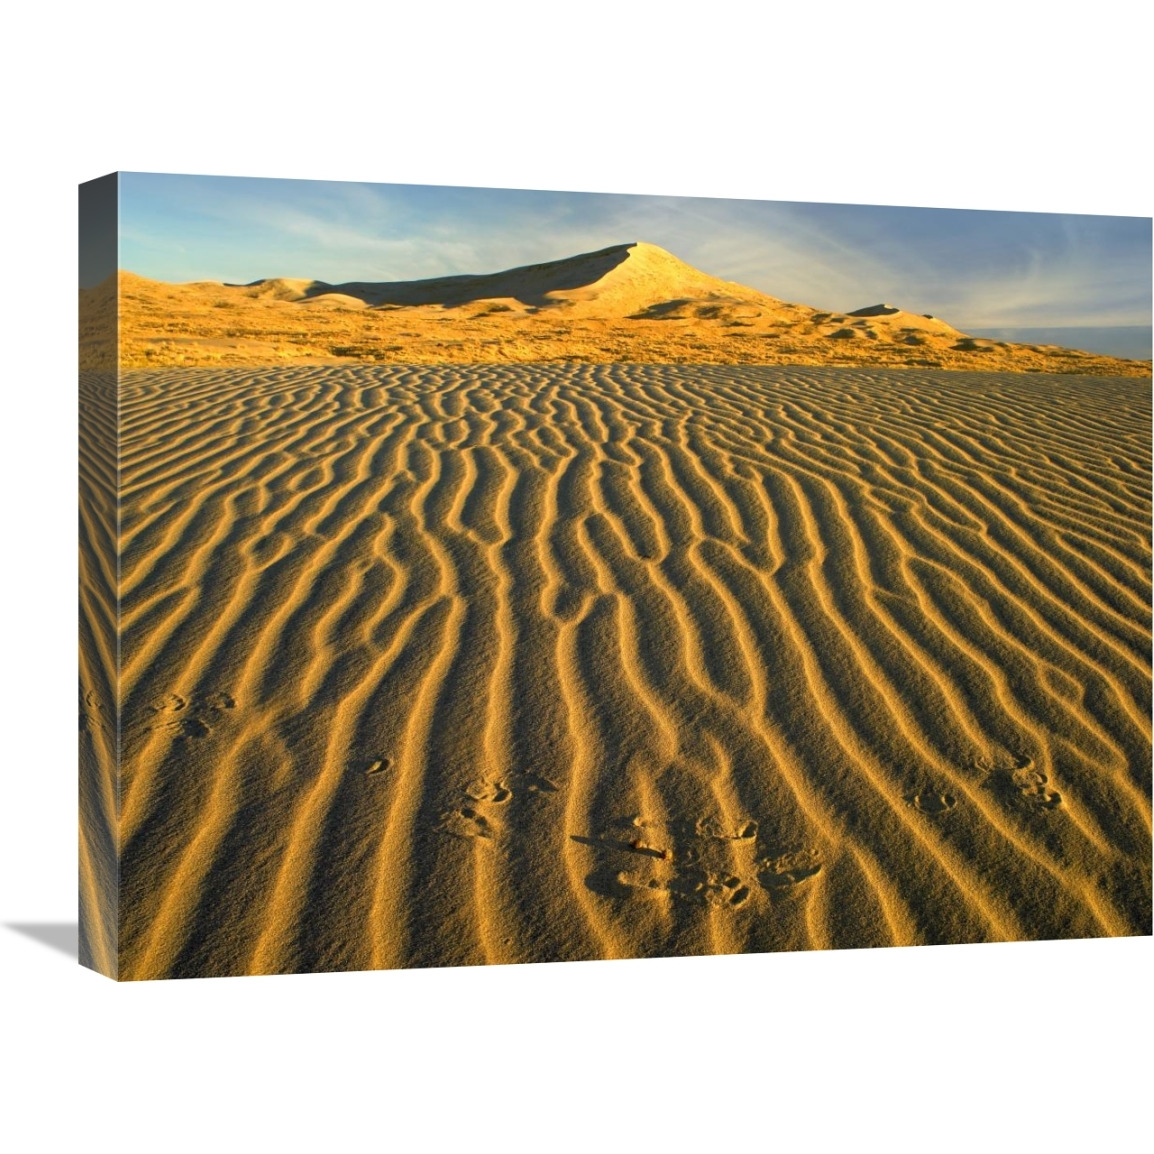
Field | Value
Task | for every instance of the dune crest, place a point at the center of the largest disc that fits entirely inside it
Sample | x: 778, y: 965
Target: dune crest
x: 895, y: 319
x: 614, y: 281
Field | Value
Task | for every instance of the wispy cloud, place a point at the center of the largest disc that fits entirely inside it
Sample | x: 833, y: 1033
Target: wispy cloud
x: 974, y: 268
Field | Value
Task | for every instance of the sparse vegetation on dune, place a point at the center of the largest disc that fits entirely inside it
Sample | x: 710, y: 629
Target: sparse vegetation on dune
x: 632, y: 303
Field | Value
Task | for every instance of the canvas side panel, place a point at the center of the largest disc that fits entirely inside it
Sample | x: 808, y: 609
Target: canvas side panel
x: 99, y: 722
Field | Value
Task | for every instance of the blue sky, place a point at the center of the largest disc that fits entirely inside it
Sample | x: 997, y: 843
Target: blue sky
x: 975, y: 269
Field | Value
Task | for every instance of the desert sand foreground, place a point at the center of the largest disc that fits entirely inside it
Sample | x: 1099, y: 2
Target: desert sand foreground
x: 465, y: 664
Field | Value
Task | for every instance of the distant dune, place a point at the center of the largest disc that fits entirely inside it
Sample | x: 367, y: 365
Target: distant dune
x: 613, y: 282
x: 499, y: 663
x: 628, y: 303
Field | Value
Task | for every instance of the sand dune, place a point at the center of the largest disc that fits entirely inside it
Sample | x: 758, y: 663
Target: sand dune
x: 628, y: 303
x: 97, y: 329
x: 472, y: 663
x: 613, y: 281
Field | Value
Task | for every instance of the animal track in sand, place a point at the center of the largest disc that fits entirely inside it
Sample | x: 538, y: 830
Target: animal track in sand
x: 187, y: 727
x: 471, y: 820
x: 170, y: 703
x: 1021, y: 784
x: 91, y: 712
x: 377, y: 766
x: 194, y: 713
x: 790, y: 869
x: 208, y: 703
x: 495, y: 793
x: 931, y: 801
x: 485, y: 792
x: 711, y: 827
x: 702, y: 862
x: 466, y: 823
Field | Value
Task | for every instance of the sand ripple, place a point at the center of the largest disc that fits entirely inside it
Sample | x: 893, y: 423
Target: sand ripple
x: 97, y: 704
x: 453, y: 665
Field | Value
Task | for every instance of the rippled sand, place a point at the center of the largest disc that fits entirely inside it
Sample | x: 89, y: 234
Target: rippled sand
x: 453, y: 665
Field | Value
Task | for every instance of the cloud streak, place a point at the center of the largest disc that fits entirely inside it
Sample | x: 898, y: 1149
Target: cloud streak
x: 976, y: 269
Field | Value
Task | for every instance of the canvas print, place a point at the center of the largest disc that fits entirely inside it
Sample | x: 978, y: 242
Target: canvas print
x: 478, y: 576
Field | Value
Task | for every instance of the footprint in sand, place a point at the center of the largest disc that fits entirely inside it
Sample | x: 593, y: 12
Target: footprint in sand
x: 91, y: 712
x: 712, y: 828
x: 1021, y: 784
x: 192, y: 713
x: 1033, y: 790
x: 635, y: 885
x: 495, y: 793
x: 169, y: 703
x: 739, y: 892
x: 471, y: 821
x: 931, y: 801
x: 466, y: 823
x: 702, y: 887
x: 704, y: 862
x: 376, y: 767
x: 789, y: 870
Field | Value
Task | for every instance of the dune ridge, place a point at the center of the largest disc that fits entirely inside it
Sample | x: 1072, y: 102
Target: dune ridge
x: 473, y: 663
x: 613, y: 281
x: 627, y: 303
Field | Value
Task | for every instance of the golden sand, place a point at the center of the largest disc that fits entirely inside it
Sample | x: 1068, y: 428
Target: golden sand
x: 479, y: 663
x: 98, y: 665
x: 629, y: 303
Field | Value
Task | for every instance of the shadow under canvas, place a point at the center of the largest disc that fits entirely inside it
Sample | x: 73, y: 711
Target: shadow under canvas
x: 62, y: 936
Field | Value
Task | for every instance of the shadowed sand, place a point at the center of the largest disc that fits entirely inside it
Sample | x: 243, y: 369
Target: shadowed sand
x: 97, y: 660
x: 466, y: 664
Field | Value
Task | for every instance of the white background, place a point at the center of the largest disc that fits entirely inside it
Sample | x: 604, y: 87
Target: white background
x: 981, y: 105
